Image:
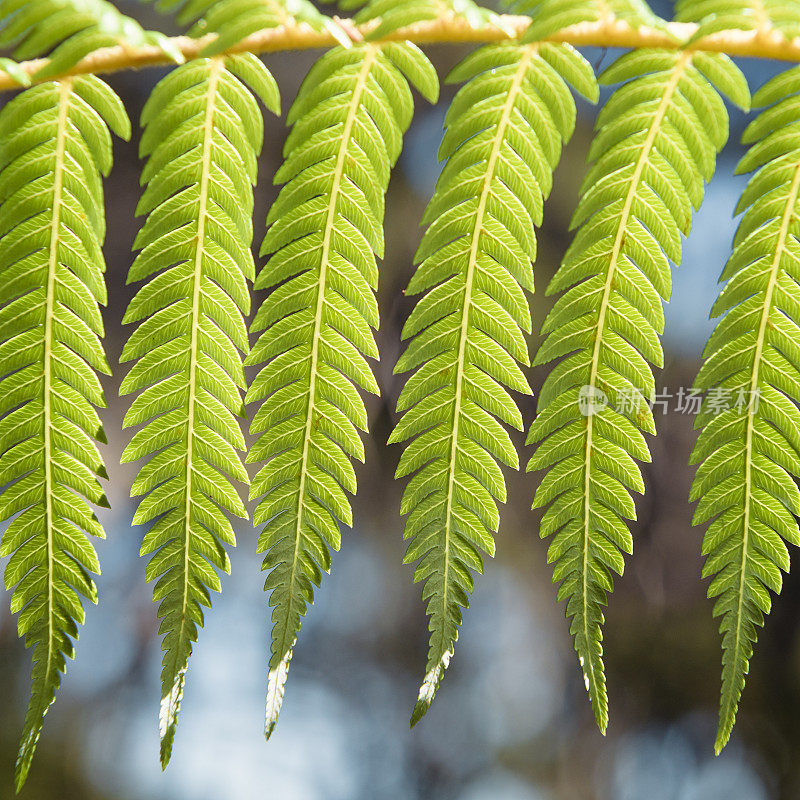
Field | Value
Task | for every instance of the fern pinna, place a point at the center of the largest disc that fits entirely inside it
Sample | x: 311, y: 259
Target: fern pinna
x: 656, y: 144
x: 203, y: 132
x: 503, y: 138
x: 326, y: 230
x: 749, y: 445
x: 54, y: 148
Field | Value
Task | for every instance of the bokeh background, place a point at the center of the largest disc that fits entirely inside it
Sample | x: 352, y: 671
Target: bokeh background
x: 512, y: 721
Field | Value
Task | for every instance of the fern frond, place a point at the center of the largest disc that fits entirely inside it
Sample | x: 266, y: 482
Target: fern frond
x: 54, y: 147
x: 68, y: 30
x: 657, y: 140
x: 326, y: 230
x: 203, y: 132
x: 749, y: 446
x: 504, y: 132
x: 234, y: 20
x: 748, y: 15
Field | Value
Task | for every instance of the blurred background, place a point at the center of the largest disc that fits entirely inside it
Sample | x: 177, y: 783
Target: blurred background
x: 512, y: 720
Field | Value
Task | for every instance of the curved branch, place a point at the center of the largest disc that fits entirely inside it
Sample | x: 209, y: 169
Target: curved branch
x: 605, y: 33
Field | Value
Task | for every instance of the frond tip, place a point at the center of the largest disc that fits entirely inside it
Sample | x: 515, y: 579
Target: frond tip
x: 55, y: 146
x: 748, y: 449
x: 315, y: 325
x: 203, y: 132
x: 503, y: 138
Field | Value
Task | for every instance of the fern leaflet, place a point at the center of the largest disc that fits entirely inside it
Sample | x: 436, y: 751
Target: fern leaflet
x: 54, y: 146
x: 749, y: 452
x: 203, y: 132
x: 503, y: 139
x: 326, y: 229
x: 657, y: 140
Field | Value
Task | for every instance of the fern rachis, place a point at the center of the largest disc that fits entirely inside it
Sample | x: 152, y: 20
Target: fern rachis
x: 52, y: 263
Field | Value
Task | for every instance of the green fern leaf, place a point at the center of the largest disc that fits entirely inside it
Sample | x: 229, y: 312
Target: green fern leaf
x: 657, y: 139
x: 68, y: 30
x: 504, y: 132
x: 203, y: 132
x: 54, y: 147
x: 749, y: 445
x: 326, y: 230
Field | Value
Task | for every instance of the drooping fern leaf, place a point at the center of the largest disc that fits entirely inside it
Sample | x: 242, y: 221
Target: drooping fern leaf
x: 54, y: 147
x: 67, y: 30
x: 326, y: 229
x: 657, y: 140
x: 203, y: 132
x: 749, y: 445
x: 503, y: 138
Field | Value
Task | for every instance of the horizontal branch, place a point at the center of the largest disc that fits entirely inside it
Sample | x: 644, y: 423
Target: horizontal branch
x: 604, y: 33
